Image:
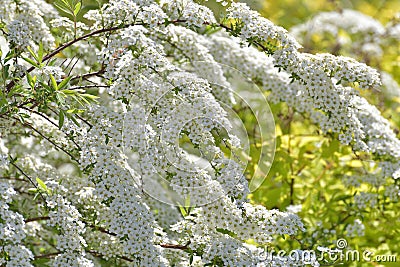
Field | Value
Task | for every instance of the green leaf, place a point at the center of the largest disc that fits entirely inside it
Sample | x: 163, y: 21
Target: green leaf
x: 191, y: 258
x: 30, y: 61
x: 41, y: 262
x: 77, y: 8
x: 64, y: 83
x: 226, y: 232
x: 41, y: 184
x: 77, y: 100
x: 33, y: 53
x: 31, y: 80
x: 60, y: 97
x: 72, y: 118
x: 182, y: 210
x: 61, y: 118
x: 3, y: 100
x: 6, y: 72
x: 63, y: 7
x: 68, y: 3
x: 32, y: 190
x: 187, y: 201
x: 9, y: 56
x: 69, y: 92
x: 90, y: 97
x: 53, y: 82
x: 40, y: 53
x: 75, y: 111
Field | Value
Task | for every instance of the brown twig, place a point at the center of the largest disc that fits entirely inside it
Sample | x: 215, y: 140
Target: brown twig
x: 51, y: 141
x: 48, y: 256
x: 42, y: 218
x: 88, y: 75
x: 29, y: 178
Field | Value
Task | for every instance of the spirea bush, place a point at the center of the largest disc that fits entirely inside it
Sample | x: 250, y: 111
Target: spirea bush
x: 133, y: 134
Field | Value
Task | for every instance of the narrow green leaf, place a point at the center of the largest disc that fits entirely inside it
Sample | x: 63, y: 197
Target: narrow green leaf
x: 63, y: 8
x: 40, y: 53
x: 53, y: 82
x: 69, y: 92
x: 3, y: 100
x: 32, y: 190
x: 67, y: 3
x: 90, y: 97
x: 61, y: 118
x: 187, y: 201
x: 17, y: 89
x: 6, y: 71
x: 9, y: 56
x: 72, y: 118
x: 77, y: 8
x: 46, y: 87
x: 64, y: 83
x: 191, y: 259
x: 31, y: 80
x: 182, y: 209
x: 41, y: 184
x: 83, y: 99
x: 30, y: 61
x: 78, y: 100
x: 33, y: 53
x: 60, y: 98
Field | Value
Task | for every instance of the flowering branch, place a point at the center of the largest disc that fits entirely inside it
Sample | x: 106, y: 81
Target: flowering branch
x: 51, y: 141
x: 104, y: 230
x: 29, y: 179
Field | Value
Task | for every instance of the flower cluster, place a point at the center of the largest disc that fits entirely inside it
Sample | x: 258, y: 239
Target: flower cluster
x: 189, y: 12
x: 26, y: 24
x: 355, y: 229
x: 68, y: 220
x: 255, y: 26
x: 12, y: 232
x: 352, y: 21
x: 321, y: 86
x: 360, y: 35
x: 108, y: 175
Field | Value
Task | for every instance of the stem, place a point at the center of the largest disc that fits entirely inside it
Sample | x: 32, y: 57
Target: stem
x: 87, y: 75
x: 51, y: 141
x: 291, y: 190
x: 42, y: 218
x: 83, y: 37
x: 89, y: 86
x: 74, y: 27
x: 104, y: 230
x: 48, y: 256
x: 29, y: 178
x: 41, y: 115
x: 68, y: 44
x: 289, y: 150
x: 171, y: 246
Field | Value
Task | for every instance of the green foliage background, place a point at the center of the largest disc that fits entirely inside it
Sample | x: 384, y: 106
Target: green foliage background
x: 308, y: 167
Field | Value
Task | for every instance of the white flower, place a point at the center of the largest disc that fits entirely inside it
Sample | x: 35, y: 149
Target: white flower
x: 294, y: 208
x: 356, y: 229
